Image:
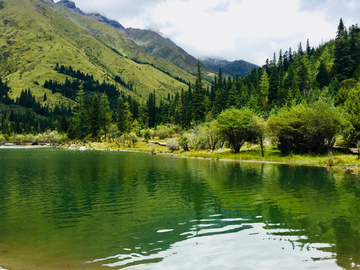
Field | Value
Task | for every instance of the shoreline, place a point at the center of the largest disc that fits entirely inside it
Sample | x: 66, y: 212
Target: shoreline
x: 298, y: 160
x: 25, y: 147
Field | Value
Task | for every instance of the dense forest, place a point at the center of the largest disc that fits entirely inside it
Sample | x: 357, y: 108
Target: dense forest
x: 302, y: 99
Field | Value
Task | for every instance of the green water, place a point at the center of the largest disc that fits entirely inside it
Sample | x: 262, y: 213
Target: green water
x: 104, y: 210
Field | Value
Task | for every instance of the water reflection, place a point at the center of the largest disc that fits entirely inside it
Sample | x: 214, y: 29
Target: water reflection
x: 138, y: 211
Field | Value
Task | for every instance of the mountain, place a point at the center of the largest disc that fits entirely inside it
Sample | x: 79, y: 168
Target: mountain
x: 150, y: 41
x: 239, y: 67
x: 70, y: 5
x: 38, y: 34
x: 155, y: 44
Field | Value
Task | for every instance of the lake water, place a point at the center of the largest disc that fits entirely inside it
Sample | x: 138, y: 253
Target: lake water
x: 64, y: 209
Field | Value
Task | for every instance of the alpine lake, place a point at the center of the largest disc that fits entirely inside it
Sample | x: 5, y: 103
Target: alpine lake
x: 63, y: 209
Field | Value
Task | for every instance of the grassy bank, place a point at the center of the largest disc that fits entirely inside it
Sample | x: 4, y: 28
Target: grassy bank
x: 248, y: 153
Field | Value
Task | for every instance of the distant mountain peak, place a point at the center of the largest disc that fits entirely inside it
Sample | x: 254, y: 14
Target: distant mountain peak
x: 233, y: 68
x: 70, y: 5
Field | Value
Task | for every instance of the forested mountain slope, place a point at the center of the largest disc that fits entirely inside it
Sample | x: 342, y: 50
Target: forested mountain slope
x: 150, y: 41
x: 154, y: 44
x: 39, y: 34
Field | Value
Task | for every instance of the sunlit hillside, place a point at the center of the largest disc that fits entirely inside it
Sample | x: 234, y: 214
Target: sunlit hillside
x: 38, y: 34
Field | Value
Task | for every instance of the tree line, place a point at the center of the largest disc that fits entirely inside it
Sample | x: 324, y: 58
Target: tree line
x: 302, y: 100
x: 26, y: 115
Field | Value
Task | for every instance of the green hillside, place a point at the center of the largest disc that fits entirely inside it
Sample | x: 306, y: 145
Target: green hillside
x: 39, y: 34
x: 156, y: 45
x: 150, y: 41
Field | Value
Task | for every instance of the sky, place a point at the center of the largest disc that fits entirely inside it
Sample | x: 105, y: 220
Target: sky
x: 250, y: 30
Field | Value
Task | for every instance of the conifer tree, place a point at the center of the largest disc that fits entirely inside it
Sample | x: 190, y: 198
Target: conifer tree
x: 189, y: 113
x: 323, y: 77
x: 308, y: 49
x: 185, y: 121
x: 233, y: 97
x: 105, y: 114
x: 151, y: 106
x: 79, y: 127
x: 199, y: 108
x: 120, y: 116
x: 264, y: 91
x: 342, y: 62
x: 273, y: 85
x: 95, y: 116
x: 354, y: 34
x: 303, y: 78
x: 300, y: 50
x: 128, y: 117
x: 290, y: 82
x: 178, y: 109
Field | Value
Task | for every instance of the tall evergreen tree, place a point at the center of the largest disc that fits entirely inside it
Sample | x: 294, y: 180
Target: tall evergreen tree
x: 342, y: 62
x: 128, y: 117
x: 190, y: 115
x: 273, y: 85
x: 199, y: 108
x: 354, y: 34
x: 233, y: 97
x: 184, y: 112
x: 121, y: 116
x: 308, y: 49
x: 264, y: 91
x: 323, y: 77
x: 151, y: 106
x: 79, y: 126
x: 105, y: 114
x: 95, y: 116
x: 300, y: 50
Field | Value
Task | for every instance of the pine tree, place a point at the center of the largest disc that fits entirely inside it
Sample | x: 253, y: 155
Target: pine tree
x: 233, y: 97
x: 323, y: 77
x: 264, y: 90
x: 342, y: 62
x: 151, y: 106
x: 190, y: 115
x: 105, y: 114
x: 163, y: 112
x: 273, y: 85
x: 184, y: 101
x: 220, y: 101
x: 308, y: 49
x: 95, y: 116
x: 128, y: 117
x: 199, y: 108
x: 300, y: 50
x: 120, y: 117
x: 354, y: 34
x: 79, y: 126
x: 303, y: 78
x: 178, y: 109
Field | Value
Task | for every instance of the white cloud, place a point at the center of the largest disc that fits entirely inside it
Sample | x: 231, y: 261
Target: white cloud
x: 249, y: 24
x: 233, y: 29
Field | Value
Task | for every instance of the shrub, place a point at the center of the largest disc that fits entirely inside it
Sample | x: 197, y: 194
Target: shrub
x: 184, y: 141
x: 164, y: 131
x: 132, y: 138
x: 172, y: 144
x: 307, y: 128
x: 147, y: 134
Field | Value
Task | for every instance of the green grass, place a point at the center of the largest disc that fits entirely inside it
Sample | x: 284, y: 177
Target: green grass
x: 253, y: 153
x: 248, y: 153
